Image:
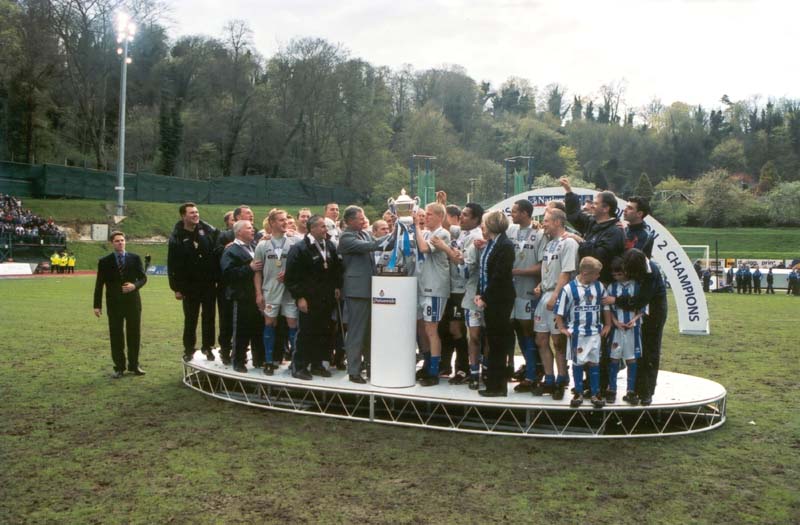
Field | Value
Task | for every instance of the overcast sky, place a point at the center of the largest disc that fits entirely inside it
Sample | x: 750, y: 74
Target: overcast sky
x: 691, y: 50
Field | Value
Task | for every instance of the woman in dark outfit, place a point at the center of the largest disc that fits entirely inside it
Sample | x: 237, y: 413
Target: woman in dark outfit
x: 496, y: 297
x: 653, y: 294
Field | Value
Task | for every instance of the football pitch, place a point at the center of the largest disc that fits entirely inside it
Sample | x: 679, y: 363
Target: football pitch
x: 77, y: 446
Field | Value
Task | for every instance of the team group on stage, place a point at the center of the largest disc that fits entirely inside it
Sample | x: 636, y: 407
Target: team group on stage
x: 578, y: 287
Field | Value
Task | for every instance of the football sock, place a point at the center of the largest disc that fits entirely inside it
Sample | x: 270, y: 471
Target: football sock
x: 293, y: 340
x: 562, y: 380
x: 426, y: 360
x: 549, y: 379
x: 529, y: 352
x: 577, y: 376
x: 433, y: 370
x: 594, y: 379
x: 613, y: 370
x: 474, y: 369
x: 269, y: 342
x: 632, y: 376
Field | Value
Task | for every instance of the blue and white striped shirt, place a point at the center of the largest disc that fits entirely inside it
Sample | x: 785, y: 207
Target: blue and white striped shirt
x: 581, y: 307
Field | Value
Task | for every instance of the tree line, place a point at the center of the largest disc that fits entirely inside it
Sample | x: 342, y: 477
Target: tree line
x: 203, y: 107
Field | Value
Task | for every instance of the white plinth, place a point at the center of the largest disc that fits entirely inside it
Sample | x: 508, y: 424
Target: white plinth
x: 394, y: 332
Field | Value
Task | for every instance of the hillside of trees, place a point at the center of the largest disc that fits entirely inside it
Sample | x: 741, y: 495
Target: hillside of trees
x: 202, y: 107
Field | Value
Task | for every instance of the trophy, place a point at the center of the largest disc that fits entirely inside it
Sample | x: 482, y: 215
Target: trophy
x: 403, y: 256
x: 404, y: 207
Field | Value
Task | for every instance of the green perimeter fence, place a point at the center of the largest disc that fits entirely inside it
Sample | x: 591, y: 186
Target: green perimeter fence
x: 50, y: 180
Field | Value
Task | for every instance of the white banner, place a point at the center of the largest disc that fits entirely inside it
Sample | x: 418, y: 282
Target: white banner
x: 676, y: 265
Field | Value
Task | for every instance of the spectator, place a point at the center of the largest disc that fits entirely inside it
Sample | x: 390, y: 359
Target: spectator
x: 25, y: 226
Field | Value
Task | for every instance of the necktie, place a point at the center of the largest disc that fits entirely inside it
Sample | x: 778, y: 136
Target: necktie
x: 121, y: 264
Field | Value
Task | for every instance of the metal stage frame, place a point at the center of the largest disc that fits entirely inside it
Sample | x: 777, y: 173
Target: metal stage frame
x: 437, y: 408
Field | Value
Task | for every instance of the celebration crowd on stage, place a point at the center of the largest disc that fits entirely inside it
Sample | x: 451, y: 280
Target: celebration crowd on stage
x: 24, y: 225
x: 579, y: 288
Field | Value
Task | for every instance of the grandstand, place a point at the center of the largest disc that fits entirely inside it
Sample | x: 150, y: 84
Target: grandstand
x: 23, y: 234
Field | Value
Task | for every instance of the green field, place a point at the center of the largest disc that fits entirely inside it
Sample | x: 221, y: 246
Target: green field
x: 79, y: 447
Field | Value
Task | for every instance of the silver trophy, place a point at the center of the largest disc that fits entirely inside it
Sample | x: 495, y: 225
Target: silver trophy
x: 403, y: 256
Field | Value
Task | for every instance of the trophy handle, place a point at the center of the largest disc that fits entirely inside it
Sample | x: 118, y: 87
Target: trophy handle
x: 390, y: 201
x: 416, y: 203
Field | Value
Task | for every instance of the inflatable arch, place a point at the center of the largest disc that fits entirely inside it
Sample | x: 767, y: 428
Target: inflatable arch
x: 676, y: 265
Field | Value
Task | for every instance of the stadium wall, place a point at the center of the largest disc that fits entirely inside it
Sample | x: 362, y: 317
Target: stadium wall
x: 50, y: 180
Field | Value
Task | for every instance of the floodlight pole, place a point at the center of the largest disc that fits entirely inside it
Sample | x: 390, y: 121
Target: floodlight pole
x: 123, y: 81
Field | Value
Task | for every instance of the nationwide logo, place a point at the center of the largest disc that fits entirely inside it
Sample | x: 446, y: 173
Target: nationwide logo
x: 384, y: 300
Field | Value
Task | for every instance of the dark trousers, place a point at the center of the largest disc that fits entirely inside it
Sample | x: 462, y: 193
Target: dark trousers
x: 770, y: 289
x: 757, y: 287
x: 500, y: 335
x: 652, y: 330
x: 313, y: 335
x: 225, y: 310
x: 124, y: 325
x: 248, y: 329
x: 206, y: 300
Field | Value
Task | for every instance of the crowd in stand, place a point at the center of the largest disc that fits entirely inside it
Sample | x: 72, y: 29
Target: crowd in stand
x: 24, y: 226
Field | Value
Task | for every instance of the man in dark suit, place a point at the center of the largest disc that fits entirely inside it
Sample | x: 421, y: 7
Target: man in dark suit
x: 122, y: 274
x: 224, y: 306
x: 238, y: 271
x: 357, y: 249
x: 314, y: 278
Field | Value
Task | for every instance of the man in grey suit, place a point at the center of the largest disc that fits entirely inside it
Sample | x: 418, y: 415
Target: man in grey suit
x: 357, y: 248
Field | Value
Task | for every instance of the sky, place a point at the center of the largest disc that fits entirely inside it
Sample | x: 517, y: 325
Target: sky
x: 692, y: 51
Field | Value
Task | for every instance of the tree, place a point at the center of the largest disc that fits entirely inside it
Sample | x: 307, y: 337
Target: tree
x: 718, y: 201
x: 768, y: 178
x: 644, y: 188
x: 783, y: 204
x: 729, y: 156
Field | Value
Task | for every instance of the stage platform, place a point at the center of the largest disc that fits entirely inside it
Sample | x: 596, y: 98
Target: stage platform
x: 683, y: 404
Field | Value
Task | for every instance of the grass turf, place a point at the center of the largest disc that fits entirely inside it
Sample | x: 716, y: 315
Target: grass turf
x: 79, y: 447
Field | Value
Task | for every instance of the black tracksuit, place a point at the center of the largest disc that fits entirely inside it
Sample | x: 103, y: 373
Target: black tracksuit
x: 193, y: 269
x: 307, y: 277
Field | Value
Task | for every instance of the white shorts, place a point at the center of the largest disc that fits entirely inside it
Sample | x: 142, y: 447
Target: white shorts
x: 431, y: 309
x: 544, y: 320
x: 473, y: 318
x: 523, y: 309
x: 288, y: 309
x: 626, y: 344
x: 584, y: 348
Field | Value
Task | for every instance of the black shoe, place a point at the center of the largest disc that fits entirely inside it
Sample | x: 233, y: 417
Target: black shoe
x: 209, y: 354
x: 526, y: 385
x: 421, y: 374
x: 474, y: 382
x: 341, y: 366
x: 631, y: 398
x: 117, y: 374
x: 187, y: 357
x: 225, y: 357
x: 558, y: 392
x: 492, y: 393
x: 577, y: 400
x: 611, y: 396
x: 445, y: 372
x: 269, y: 369
x: 598, y: 401
x: 646, y: 400
x: 459, y: 379
x: 320, y: 371
x: 258, y: 364
x: 240, y: 368
x: 429, y: 381
x: 137, y: 371
x: 541, y: 389
x: 358, y: 379
x: 302, y: 374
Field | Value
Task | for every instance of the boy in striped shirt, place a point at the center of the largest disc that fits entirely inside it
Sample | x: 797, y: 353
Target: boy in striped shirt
x: 626, y: 335
x: 582, y: 318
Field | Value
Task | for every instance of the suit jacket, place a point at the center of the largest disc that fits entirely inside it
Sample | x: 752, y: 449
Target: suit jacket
x: 237, y: 274
x: 359, y: 262
x: 108, y: 276
x: 308, y: 278
x: 499, y: 282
